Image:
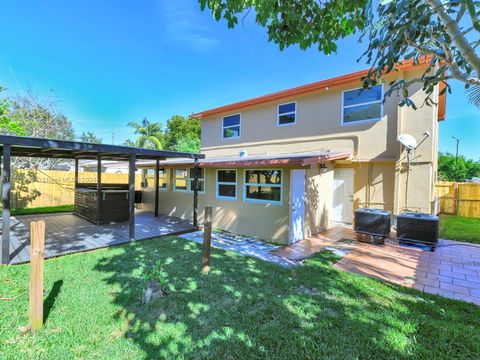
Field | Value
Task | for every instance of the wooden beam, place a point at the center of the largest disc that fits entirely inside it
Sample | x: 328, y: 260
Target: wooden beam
x: 155, y: 183
x: 131, y: 195
x: 6, y: 204
x: 37, y: 252
x: 99, y: 188
x: 195, y: 193
x: 207, y: 239
x: 69, y: 148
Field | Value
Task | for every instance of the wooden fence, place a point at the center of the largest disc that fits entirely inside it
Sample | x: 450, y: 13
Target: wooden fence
x: 461, y: 199
x: 36, y: 188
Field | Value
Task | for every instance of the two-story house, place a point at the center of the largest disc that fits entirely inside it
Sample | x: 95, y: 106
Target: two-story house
x: 289, y: 164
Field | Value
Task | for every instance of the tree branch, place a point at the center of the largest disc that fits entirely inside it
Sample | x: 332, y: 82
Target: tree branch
x: 453, y: 30
x: 422, y: 49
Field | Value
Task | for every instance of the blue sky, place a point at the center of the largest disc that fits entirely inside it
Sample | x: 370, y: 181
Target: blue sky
x: 111, y: 62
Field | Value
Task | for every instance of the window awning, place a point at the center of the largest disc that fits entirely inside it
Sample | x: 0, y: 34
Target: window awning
x: 297, y: 159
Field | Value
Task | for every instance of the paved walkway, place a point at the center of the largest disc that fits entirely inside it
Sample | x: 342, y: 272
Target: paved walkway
x: 67, y: 233
x: 243, y: 245
x: 452, y: 270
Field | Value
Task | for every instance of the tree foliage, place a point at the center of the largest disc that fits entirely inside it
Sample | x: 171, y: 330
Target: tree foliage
x: 150, y: 135
x: 180, y: 134
x: 452, y: 168
x: 7, y: 125
x: 90, y: 137
x: 446, y: 32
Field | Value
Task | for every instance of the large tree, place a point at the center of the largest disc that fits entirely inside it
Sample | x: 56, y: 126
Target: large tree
x: 182, y: 134
x: 445, y: 31
x: 28, y: 115
x: 453, y: 168
x: 40, y: 117
x: 150, y: 135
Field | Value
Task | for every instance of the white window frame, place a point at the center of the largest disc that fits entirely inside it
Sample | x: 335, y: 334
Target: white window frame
x: 189, y: 181
x: 166, y: 180
x: 366, y: 103
x: 259, y: 201
x: 287, y: 113
x: 174, y: 175
x: 231, y: 126
x: 217, y: 183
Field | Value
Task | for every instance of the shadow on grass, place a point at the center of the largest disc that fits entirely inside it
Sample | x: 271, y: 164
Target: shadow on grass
x: 246, y: 308
x: 49, y: 302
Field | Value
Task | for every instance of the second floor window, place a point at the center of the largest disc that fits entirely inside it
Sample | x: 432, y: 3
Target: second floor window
x: 287, y: 114
x: 361, y: 105
x: 231, y: 127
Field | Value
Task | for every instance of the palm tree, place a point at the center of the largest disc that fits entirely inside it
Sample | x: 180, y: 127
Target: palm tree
x: 150, y: 134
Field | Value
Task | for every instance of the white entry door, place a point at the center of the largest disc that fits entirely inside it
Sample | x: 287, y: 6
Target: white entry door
x: 297, y: 205
x: 343, y: 195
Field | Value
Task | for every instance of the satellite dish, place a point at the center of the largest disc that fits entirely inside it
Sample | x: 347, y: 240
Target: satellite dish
x: 408, y: 141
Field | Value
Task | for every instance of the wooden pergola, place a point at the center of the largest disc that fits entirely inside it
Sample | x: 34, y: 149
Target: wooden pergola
x: 59, y: 149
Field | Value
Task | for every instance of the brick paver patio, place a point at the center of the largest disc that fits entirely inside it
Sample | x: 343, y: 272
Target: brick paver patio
x: 452, y: 270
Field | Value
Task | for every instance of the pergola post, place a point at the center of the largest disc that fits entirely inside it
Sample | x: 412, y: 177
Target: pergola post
x: 75, y: 181
x: 6, y: 204
x: 131, y: 194
x: 99, y: 187
x: 195, y: 193
x: 157, y: 170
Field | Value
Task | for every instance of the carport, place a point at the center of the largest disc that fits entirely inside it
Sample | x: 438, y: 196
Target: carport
x: 47, y: 148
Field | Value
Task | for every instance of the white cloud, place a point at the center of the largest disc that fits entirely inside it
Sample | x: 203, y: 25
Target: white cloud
x: 183, y: 24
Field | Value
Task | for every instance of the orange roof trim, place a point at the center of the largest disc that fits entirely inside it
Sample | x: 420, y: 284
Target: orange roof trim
x: 442, y: 102
x: 300, y: 90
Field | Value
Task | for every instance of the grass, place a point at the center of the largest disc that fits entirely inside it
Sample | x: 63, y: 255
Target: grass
x: 460, y: 228
x: 244, y: 308
x: 42, y: 210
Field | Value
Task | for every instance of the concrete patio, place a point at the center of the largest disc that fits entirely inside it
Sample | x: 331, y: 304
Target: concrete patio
x: 67, y: 233
x: 452, y: 270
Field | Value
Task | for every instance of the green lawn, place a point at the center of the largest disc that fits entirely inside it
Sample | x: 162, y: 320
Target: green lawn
x: 460, y: 228
x: 244, y: 308
x: 42, y: 210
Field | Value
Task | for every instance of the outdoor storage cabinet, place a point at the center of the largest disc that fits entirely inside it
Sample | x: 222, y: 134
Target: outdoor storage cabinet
x: 417, y: 228
x: 112, y: 207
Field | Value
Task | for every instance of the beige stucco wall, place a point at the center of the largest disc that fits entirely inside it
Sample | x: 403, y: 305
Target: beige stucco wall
x: 318, y: 127
x: 423, y: 173
x: 265, y: 221
x: 377, y: 159
x: 374, y: 184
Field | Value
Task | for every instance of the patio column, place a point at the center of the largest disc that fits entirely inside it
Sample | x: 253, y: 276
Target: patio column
x: 6, y: 204
x: 75, y: 181
x: 155, y: 183
x: 195, y: 193
x: 99, y: 188
x: 131, y: 194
